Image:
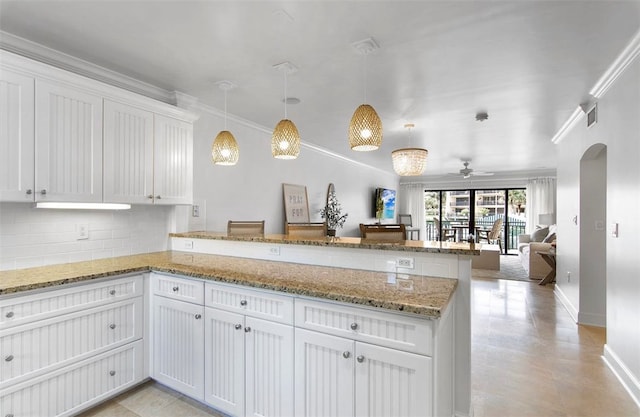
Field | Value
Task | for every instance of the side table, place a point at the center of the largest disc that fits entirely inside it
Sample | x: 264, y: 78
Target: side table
x: 550, y: 258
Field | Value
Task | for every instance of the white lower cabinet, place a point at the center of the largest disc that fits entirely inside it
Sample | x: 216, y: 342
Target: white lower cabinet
x: 177, y: 345
x: 66, y: 349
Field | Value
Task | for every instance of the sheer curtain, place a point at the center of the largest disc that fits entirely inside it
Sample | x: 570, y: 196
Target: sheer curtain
x: 411, y: 201
x: 541, y: 199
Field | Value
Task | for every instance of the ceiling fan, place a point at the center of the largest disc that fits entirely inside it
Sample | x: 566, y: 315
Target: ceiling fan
x: 467, y: 172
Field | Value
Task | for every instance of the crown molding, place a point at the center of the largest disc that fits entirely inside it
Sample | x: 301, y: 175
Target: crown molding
x: 44, y: 54
x: 610, y: 76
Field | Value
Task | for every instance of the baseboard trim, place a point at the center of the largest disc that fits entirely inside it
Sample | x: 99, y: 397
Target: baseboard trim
x: 564, y: 300
x: 599, y: 320
x: 625, y: 376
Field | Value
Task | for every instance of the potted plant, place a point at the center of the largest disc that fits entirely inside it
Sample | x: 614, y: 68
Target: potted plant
x: 332, y: 213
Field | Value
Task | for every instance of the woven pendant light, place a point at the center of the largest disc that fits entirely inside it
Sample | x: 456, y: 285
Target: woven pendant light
x: 409, y: 162
x: 285, y: 140
x: 365, y: 128
x: 225, y: 148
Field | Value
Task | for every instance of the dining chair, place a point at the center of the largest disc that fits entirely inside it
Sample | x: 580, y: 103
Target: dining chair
x: 306, y: 230
x: 444, y: 233
x: 383, y: 232
x: 245, y: 228
x: 492, y: 235
x: 408, y: 224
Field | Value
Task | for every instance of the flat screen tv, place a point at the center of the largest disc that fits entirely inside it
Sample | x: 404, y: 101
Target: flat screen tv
x: 385, y: 203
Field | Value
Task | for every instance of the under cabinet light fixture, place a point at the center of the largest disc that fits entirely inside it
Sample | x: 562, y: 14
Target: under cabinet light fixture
x: 82, y: 206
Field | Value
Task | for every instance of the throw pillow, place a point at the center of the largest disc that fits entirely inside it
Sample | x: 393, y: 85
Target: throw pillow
x: 550, y: 238
x: 539, y: 234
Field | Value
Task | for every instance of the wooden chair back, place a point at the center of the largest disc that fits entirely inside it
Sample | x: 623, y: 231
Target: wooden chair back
x: 383, y: 232
x: 306, y: 230
x: 245, y: 228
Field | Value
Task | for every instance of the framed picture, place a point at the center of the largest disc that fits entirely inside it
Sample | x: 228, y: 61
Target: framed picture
x: 296, y: 203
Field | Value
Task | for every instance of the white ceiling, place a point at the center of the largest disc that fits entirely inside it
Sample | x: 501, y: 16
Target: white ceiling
x: 527, y: 63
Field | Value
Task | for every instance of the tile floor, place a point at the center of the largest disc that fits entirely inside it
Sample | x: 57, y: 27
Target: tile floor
x: 529, y: 359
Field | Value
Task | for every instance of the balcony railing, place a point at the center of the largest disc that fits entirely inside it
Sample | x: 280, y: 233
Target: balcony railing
x: 516, y: 227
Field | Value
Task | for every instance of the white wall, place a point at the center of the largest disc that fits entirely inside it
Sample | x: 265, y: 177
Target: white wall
x: 252, y: 189
x: 618, y: 128
x: 35, y: 237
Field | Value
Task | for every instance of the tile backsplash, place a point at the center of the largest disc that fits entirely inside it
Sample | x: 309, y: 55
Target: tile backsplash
x: 35, y: 237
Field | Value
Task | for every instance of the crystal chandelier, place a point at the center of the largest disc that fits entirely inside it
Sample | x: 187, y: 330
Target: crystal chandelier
x: 285, y: 141
x: 409, y: 161
x: 225, y: 148
x: 365, y: 128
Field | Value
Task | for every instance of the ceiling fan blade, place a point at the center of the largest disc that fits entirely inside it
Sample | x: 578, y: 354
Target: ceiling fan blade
x: 482, y: 174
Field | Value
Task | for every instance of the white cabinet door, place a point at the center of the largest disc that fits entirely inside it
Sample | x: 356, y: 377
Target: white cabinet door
x: 178, y: 346
x: 269, y: 368
x: 324, y: 375
x: 68, y: 144
x: 224, y: 361
x: 392, y: 383
x: 16, y: 136
x: 128, y: 154
x: 173, y: 161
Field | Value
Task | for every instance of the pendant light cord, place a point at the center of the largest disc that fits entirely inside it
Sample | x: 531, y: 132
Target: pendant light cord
x: 285, y: 93
x: 225, y: 109
x: 364, y: 77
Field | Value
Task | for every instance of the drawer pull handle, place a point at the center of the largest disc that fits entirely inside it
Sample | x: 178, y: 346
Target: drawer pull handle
x: 9, y: 415
x: 43, y: 192
x: 346, y: 354
x: 247, y: 329
x: 9, y: 314
x: 360, y: 358
x: 243, y: 302
x: 29, y: 191
x: 176, y: 289
x: 198, y: 316
x: 112, y: 326
x: 158, y: 197
x: 150, y: 196
x: 9, y: 358
x: 112, y: 373
x: 354, y: 326
x: 112, y: 292
x: 238, y: 326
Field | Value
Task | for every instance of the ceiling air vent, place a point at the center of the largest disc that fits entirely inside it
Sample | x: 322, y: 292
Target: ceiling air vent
x: 592, y: 115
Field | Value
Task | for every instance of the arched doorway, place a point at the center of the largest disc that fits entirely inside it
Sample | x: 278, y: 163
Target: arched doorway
x: 593, y: 243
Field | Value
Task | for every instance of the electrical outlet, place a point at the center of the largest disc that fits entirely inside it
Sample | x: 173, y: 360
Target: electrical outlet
x: 404, y: 263
x: 83, y: 231
x: 188, y: 244
x: 195, y: 210
x: 274, y: 250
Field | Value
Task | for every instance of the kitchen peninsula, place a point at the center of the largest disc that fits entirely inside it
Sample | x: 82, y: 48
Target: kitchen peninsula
x: 270, y: 321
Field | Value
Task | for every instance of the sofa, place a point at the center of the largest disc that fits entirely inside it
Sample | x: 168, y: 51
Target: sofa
x: 528, y: 244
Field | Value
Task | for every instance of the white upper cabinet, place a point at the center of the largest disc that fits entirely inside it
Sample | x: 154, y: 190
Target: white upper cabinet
x: 68, y: 144
x: 128, y: 154
x: 172, y: 161
x: 16, y: 136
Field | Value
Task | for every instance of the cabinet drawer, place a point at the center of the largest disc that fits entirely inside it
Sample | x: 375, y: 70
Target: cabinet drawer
x: 410, y: 334
x: 260, y: 304
x: 41, y: 347
x: 19, y: 310
x: 182, y: 289
x: 69, y: 390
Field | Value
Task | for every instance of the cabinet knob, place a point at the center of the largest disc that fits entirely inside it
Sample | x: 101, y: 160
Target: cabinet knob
x: 112, y: 326
x: 346, y: 354
x: 112, y: 373
x: 247, y: 329
x: 158, y: 197
x: 43, y: 192
x: 175, y: 289
x: 243, y: 302
x: 198, y: 316
x: 360, y: 358
x: 150, y: 196
x: 354, y: 326
x: 112, y: 292
x: 9, y: 415
x: 29, y: 191
x: 238, y: 326
x: 8, y: 358
x: 9, y: 314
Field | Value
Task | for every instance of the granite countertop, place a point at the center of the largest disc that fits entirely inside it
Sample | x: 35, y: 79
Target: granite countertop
x: 454, y: 248
x: 425, y: 296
